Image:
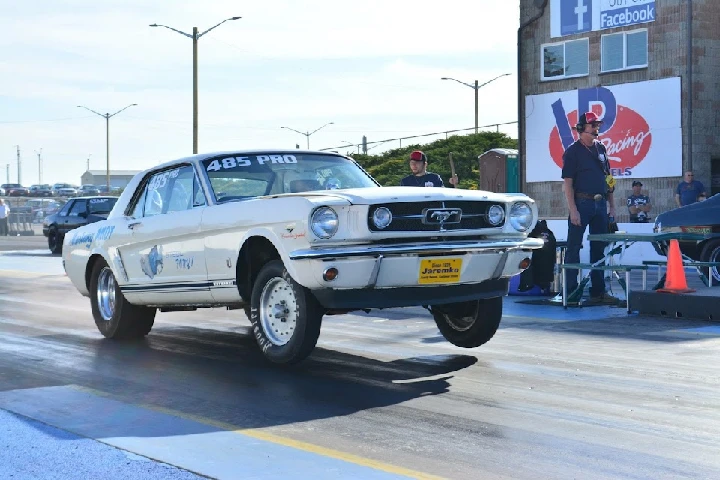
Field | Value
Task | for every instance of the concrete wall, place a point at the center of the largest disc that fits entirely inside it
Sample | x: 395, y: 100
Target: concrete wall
x: 667, y: 57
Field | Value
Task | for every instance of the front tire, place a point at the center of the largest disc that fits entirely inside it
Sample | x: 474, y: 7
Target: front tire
x: 285, y: 316
x: 468, y: 324
x: 55, y: 241
x: 114, y: 316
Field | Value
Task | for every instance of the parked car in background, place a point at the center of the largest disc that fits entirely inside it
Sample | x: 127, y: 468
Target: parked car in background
x: 43, y: 190
x: 88, y: 190
x: 41, y: 208
x: 700, y: 217
x: 15, y: 190
x: 292, y: 236
x: 64, y: 190
x: 75, y: 213
x: 2, y: 192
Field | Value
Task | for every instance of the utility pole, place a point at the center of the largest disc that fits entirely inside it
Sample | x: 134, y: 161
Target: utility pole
x: 7, y: 172
x: 19, y: 165
x: 40, y: 167
x: 88, y: 163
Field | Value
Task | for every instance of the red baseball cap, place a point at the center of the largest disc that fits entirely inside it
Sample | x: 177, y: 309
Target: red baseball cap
x: 418, y: 156
x: 589, y: 117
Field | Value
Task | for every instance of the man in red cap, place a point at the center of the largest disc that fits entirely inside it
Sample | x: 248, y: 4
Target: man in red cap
x: 588, y: 192
x: 420, y: 177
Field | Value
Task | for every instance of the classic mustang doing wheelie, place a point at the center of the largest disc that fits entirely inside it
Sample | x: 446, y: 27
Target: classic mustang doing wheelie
x: 290, y: 236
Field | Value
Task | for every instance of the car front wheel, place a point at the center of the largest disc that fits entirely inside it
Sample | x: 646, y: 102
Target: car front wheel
x: 711, y: 253
x: 468, y: 324
x: 55, y: 241
x: 285, y: 316
x: 114, y: 316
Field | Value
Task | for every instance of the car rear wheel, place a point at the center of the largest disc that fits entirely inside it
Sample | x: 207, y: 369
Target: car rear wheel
x: 285, y: 316
x: 55, y: 241
x: 468, y: 324
x: 711, y: 253
x: 114, y: 316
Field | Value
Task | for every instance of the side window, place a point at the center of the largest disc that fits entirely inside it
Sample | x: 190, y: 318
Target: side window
x: 79, y: 207
x: 181, y: 193
x: 137, y: 210
x: 158, y: 187
x: 65, y: 209
x: 198, y: 194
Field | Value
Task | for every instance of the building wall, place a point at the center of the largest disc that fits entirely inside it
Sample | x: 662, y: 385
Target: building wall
x: 120, y: 181
x: 667, y: 57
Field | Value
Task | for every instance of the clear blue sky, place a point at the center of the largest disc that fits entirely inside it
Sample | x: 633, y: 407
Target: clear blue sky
x: 371, y: 67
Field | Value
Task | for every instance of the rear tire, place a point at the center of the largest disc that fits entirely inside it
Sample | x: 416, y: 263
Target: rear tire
x: 469, y: 324
x: 114, y: 316
x: 285, y: 316
x: 55, y: 241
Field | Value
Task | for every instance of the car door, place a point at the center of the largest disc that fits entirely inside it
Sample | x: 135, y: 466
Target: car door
x: 165, y: 259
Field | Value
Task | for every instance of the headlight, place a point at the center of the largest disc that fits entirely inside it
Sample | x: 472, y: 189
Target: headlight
x: 495, y: 215
x: 521, y: 216
x: 382, y: 217
x: 324, y: 222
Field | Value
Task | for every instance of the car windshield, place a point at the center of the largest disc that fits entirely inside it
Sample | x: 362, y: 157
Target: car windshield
x: 237, y: 177
x: 101, y: 205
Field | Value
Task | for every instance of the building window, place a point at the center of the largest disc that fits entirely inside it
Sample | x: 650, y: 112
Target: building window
x: 564, y: 60
x: 624, y: 50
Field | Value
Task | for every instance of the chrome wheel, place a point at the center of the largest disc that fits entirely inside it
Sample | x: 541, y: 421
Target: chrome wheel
x: 715, y: 271
x: 278, y: 311
x: 461, y: 319
x: 106, y: 294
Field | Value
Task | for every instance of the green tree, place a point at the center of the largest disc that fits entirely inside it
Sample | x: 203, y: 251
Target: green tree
x: 389, y: 167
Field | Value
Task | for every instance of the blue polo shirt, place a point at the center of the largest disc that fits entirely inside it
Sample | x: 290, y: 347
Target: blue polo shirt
x: 586, y: 166
x: 689, y: 191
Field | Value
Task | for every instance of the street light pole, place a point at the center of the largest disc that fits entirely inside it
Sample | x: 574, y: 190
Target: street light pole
x: 307, y: 134
x: 476, y: 87
x: 107, y: 118
x: 195, y: 37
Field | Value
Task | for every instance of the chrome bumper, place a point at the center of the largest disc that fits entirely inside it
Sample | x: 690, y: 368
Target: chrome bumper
x: 483, y: 246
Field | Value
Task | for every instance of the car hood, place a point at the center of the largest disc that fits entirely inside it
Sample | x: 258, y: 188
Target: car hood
x: 371, y: 196
x: 695, y: 214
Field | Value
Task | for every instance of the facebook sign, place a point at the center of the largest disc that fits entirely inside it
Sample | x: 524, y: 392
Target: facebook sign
x: 575, y: 16
x: 569, y: 17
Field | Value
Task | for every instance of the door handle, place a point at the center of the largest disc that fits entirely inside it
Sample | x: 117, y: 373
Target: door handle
x: 132, y: 225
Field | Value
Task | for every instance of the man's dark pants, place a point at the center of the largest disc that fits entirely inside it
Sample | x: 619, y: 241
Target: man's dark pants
x: 593, y: 214
x: 4, y: 227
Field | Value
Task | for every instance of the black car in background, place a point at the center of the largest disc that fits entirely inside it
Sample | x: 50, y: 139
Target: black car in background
x: 76, y: 213
x: 40, y: 190
x: 701, y: 217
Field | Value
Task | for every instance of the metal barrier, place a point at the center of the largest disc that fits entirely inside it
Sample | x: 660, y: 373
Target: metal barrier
x: 20, y: 222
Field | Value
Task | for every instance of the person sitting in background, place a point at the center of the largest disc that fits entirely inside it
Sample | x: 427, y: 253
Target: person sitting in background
x: 420, y: 177
x: 638, y: 204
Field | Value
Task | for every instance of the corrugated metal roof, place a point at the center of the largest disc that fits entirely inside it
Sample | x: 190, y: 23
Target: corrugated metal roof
x: 503, y: 151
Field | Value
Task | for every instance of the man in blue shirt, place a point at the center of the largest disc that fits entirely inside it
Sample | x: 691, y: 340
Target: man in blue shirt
x: 638, y: 204
x: 420, y: 177
x: 689, y: 190
x: 587, y: 180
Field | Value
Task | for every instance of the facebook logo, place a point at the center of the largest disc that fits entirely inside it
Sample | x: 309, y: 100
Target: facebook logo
x: 575, y: 16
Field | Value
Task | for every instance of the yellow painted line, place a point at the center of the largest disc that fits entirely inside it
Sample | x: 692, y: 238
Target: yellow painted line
x: 260, y: 434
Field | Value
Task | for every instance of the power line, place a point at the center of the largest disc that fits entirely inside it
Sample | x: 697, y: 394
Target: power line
x: 400, y: 139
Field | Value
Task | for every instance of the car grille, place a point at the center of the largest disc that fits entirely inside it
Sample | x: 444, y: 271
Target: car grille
x: 434, y: 216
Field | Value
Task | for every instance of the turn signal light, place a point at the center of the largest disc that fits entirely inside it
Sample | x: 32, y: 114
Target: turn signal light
x: 330, y: 274
x: 525, y: 263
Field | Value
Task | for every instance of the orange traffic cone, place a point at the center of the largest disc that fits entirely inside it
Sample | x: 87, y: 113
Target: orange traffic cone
x: 675, y: 281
